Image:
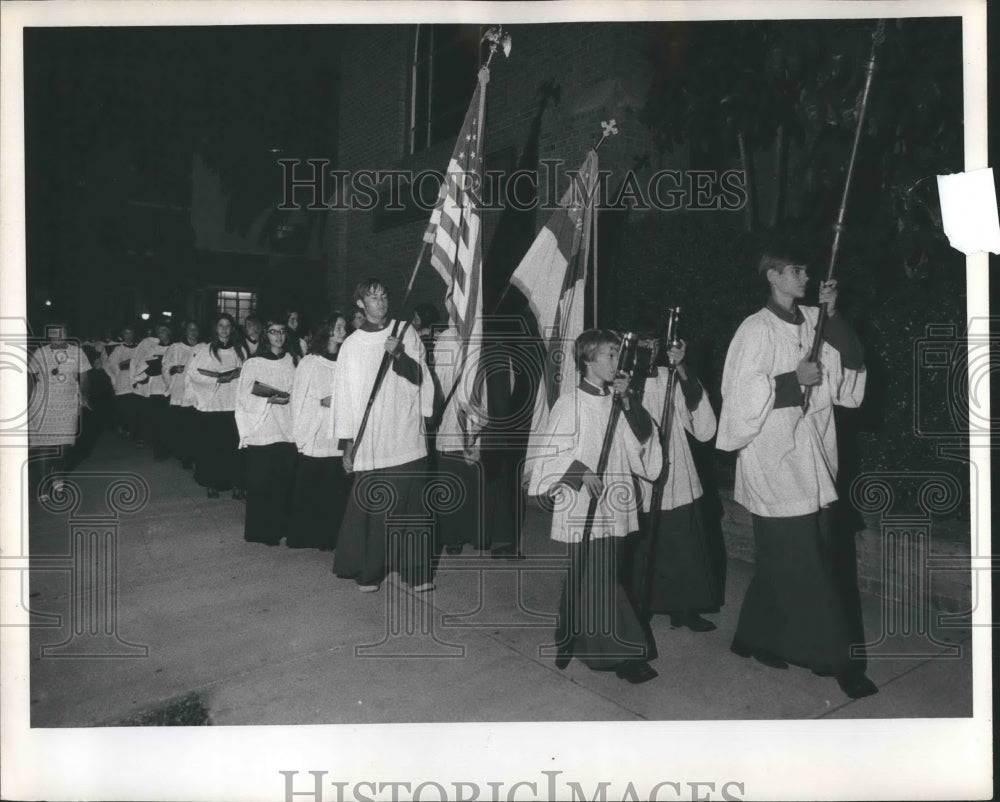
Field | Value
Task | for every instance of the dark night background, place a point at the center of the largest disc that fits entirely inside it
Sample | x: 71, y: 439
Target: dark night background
x: 114, y: 118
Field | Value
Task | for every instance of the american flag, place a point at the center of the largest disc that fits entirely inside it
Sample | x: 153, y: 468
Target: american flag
x: 457, y: 255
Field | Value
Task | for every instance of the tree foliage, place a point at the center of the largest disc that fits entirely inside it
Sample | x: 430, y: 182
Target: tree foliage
x: 788, y: 93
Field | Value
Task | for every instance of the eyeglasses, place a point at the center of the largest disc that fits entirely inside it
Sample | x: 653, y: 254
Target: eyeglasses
x: 276, y: 332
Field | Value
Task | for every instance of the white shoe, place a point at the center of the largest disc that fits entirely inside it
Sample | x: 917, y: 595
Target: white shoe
x: 423, y: 588
x: 368, y: 588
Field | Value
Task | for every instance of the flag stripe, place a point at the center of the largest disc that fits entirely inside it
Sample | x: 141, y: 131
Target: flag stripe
x: 454, y: 232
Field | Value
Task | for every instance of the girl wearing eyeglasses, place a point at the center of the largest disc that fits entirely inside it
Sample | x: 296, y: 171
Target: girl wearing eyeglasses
x: 264, y: 419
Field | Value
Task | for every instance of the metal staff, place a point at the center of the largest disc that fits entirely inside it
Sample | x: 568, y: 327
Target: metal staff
x: 877, y: 38
x: 666, y: 427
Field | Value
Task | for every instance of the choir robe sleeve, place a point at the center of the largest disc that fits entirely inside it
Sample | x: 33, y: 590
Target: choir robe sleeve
x: 846, y: 384
x: 305, y: 402
x: 558, y: 449
x: 176, y: 355
x: 681, y: 485
x: 170, y: 359
x: 137, y: 370
x: 700, y: 422
x: 349, y: 394
x: 198, y: 386
x: 110, y: 363
x: 748, y: 388
x: 250, y: 409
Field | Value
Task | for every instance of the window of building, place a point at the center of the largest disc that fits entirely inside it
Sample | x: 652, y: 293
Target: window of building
x: 238, y: 303
x: 446, y: 59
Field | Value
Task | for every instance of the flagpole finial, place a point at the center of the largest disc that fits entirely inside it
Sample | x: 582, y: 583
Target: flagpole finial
x: 498, y: 39
x: 609, y: 128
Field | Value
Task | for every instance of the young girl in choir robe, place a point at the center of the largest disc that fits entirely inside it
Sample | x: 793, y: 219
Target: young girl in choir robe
x: 53, y: 404
x: 211, y: 380
x: 684, y: 579
x: 321, y: 486
x: 252, y: 330
x: 118, y: 362
x: 390, y: 463
x: 150, y: 385
x: 182, y: 411
x: 297, y: 346
x: 597, y: 621
x: 264, y: 419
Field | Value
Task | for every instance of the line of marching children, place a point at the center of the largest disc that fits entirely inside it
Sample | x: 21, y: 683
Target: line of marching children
x: 323, y: 461
x: 777, y: 415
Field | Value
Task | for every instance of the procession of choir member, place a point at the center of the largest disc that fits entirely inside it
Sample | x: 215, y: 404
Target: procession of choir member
x: 54, y: 369
x: 264, y: 420
x: 321, y: 486
x: 211, y: 376
x: 390, y: 460
x: 118, y: 364
x: 328, y: 449
x: 150, y: 386
x: 786, y: 472
x: 181, y: 418
x: 673, y: 568
x: 597, y: 621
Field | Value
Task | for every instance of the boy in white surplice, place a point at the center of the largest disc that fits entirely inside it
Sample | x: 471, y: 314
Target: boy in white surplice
x: 597, y: 621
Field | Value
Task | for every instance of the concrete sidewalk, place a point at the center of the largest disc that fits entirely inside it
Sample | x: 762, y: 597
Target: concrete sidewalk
x: 269, y: 636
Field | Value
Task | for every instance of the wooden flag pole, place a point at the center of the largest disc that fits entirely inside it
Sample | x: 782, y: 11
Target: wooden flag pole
x: 497, y: 39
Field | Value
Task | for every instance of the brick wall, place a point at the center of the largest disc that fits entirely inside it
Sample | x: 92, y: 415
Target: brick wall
x: 599, y: 71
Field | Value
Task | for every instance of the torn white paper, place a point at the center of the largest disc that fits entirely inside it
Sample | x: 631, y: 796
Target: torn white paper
x: 969, y: 211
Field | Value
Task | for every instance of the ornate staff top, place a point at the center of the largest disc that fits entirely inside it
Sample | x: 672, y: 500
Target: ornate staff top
x: 610, y: 128
x: 497, y: 39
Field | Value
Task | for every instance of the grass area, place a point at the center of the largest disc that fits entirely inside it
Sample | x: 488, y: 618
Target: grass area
x: 184, y: 711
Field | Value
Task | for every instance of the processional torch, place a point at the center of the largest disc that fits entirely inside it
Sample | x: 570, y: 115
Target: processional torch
x: 666, y: 427
x: 838, y: 228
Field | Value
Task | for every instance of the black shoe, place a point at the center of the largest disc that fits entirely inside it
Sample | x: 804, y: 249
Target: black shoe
x: 239, y: 494
x: 692, y: 621
x: 636, y: 672
x: 455, y: 549
x: 213, y: 493
x: 563, y: 656
x: 856, y: 685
